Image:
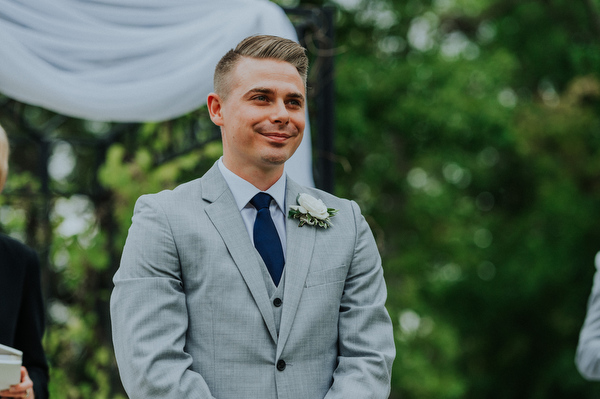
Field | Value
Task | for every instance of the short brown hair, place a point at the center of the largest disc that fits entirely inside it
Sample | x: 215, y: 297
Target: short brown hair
x: 260, y: 46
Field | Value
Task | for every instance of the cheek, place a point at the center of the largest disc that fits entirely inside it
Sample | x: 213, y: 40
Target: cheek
x: 300, y: 122
x: 247, y: 120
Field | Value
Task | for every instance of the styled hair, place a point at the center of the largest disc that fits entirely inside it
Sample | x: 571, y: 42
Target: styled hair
x: 261, y: 47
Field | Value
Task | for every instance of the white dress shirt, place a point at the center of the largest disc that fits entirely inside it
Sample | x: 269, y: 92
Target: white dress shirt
x: 243, y: 191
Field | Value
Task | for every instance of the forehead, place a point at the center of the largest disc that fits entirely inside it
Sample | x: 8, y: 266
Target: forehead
x: 270, y: 73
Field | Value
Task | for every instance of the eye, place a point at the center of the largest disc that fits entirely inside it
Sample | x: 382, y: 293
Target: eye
x: 295, y: 103
x: 260, y: 97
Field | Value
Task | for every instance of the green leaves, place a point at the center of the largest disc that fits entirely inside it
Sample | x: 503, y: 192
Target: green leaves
x: 477, y: 170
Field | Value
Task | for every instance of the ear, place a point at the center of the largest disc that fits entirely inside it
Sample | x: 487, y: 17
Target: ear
x: 214, y: 104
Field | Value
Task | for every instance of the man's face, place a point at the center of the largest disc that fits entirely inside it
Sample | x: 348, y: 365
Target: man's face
x: 263, y: 116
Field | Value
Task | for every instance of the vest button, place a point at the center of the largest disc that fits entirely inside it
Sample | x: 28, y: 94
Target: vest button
x: 280, y: 365
x: 277, y: 302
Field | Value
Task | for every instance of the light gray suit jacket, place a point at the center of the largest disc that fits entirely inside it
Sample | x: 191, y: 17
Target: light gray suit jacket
x: 587, y: 357
x: 192, y: 317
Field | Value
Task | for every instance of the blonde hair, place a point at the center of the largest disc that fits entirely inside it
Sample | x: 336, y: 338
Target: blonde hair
x: 261, y: 47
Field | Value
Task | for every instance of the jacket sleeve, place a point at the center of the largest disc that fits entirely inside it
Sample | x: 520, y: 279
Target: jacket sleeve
x: 30, y: 326
x: 149, y: 313
x: 366, y: 339
x: 587, y: 357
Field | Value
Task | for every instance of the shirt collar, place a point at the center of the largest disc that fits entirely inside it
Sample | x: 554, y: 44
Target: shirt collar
x: 243, y: 190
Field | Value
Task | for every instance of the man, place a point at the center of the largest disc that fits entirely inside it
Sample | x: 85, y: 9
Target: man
x: 216, y: 299
x: 21, y: 305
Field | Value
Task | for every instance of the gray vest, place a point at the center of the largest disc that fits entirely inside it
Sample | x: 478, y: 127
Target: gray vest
x: 275, y: 294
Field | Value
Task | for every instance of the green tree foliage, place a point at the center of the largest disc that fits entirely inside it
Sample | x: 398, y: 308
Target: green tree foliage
x: 468, y: 131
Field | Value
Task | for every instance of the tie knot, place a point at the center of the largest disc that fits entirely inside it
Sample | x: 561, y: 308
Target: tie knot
x: 261, y: 201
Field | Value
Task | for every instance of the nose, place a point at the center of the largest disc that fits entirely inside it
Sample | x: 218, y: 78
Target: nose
x: 280, y: 113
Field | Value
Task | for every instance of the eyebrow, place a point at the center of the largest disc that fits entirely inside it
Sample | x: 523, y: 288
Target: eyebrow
x: 264, y: 90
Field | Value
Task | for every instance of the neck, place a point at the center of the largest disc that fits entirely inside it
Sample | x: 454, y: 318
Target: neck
x: 261, y: 178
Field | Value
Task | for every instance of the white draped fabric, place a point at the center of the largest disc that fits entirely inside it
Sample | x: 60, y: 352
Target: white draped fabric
x: 128, y: 60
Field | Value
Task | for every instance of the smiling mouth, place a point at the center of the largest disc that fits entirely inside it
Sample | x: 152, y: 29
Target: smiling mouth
x: 278, y: 137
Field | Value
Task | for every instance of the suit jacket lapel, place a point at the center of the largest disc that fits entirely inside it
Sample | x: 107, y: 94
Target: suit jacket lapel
x: 300, y: 246
x: 225, y: 216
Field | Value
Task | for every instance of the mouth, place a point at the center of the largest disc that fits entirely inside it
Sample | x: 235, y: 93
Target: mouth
x: 277, y: 137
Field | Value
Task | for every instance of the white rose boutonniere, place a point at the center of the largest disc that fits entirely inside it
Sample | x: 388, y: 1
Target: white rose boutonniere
x: 311, y: 211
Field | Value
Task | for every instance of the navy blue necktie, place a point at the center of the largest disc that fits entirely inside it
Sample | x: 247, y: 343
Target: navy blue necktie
x: 266, y: 239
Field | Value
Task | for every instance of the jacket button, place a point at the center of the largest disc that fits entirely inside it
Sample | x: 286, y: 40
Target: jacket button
x: 280, y: 365
x: 277, y: 302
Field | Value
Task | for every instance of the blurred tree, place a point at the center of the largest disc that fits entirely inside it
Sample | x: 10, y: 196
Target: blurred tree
x: 468, y: 132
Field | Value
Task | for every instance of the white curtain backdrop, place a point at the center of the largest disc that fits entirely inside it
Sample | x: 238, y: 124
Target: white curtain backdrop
x: 129, y: 60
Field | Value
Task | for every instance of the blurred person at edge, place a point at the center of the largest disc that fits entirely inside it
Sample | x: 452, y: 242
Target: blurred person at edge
x: 21, y: 305
x: 587, y: 358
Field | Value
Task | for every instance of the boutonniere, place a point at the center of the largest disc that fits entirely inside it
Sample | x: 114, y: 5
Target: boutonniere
x: 311, y: 211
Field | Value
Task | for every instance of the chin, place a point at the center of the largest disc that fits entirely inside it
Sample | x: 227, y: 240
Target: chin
x: 275, y: 159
